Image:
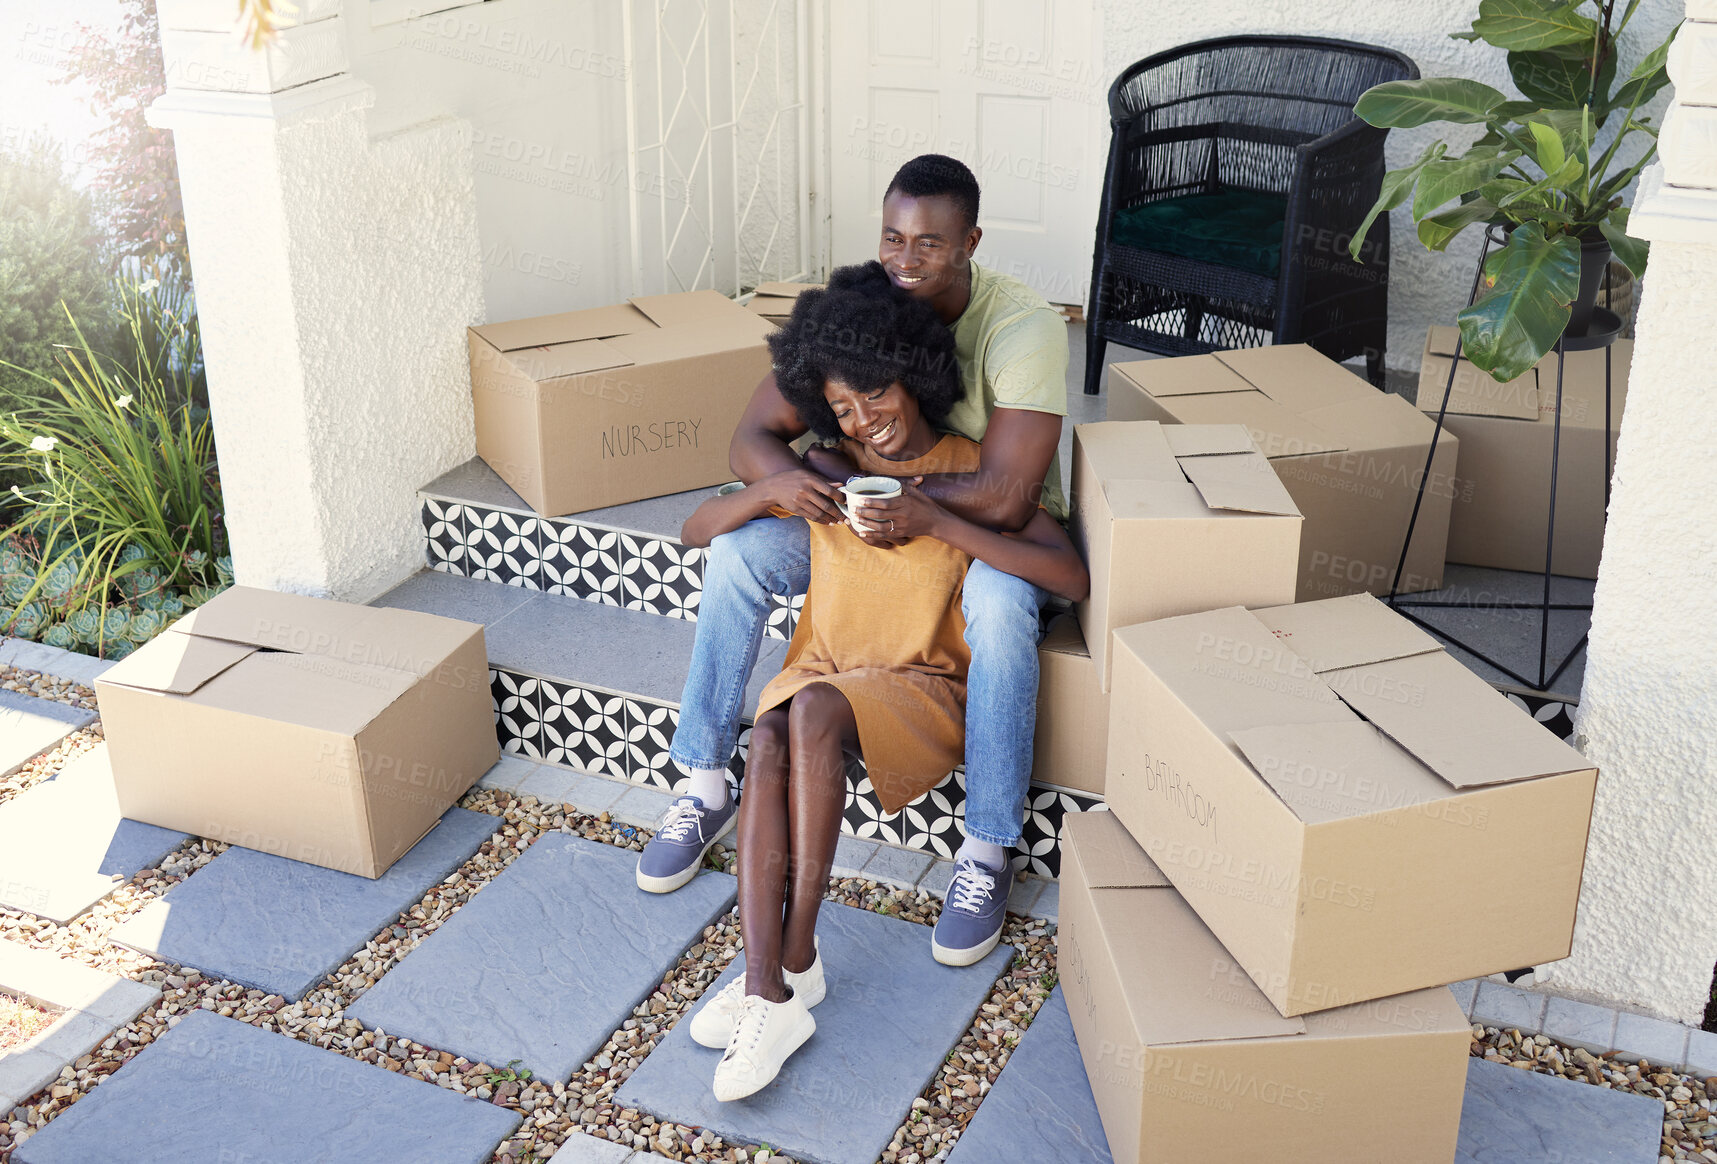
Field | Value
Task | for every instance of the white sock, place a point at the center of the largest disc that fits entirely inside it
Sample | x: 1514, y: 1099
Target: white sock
x: 708, y: 785
x: 984, y: 853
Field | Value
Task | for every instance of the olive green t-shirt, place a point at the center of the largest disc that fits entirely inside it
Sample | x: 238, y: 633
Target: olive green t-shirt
x: 1012, y: 348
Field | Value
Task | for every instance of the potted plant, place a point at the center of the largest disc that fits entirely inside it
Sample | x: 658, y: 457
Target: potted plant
x: 1536, y: 171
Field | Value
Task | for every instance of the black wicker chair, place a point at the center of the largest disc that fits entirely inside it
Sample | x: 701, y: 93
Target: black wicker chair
x: 1249, y: 119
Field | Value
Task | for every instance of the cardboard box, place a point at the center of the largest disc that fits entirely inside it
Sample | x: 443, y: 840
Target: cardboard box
x: 1173, y: 519
x: 1072, y: 744
x: 315, y: 730
x: 774, y: 301
x: 592, y: 408
x: 1350, y: 456
x: 1182, y: 1051
x: 1330, y: 790
x: 1502, y: 499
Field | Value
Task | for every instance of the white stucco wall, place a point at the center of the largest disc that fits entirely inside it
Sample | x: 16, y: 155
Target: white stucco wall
x: 1424, y: 288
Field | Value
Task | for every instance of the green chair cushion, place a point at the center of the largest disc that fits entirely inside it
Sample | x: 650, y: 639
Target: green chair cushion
x: 1231, y: 228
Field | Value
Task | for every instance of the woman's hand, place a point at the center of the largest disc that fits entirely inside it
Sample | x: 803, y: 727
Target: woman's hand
x: 893, y: 521
x: 804, y: 493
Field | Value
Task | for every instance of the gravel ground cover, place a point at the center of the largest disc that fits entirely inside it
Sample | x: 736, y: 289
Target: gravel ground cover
x: 554, y: 1111
x: 22, y: 1020
x: 47, y: 763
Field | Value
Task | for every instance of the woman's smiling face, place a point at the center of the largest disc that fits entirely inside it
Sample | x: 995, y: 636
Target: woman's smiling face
x: 886, y: 420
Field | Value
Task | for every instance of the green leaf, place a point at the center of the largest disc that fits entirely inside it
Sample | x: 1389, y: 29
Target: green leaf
x: 1650, y: 75
x: 1556, y: 81
x: 1443, y: 180
x: 1437, y: 230
x: 1527, y: 25
x: 1397, y: 185
x: 1403, y: 104
x: 1630, y: 252
x: 1549, y: 152
x: 1533, y: 279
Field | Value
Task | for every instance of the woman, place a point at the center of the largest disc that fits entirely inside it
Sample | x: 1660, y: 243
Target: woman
x: 877, y: 666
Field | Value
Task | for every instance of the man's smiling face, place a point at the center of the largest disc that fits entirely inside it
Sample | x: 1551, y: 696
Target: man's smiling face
x: 926, y: 248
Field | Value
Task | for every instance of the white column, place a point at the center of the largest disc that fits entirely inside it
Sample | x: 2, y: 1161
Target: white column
x: 1648, y: 714
x: 335, y: 277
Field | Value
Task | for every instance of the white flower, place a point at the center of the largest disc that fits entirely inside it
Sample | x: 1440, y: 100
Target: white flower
x: 17, y: 492
x: 124, y: 401
x: 44, y: 444
x: 148, y: 285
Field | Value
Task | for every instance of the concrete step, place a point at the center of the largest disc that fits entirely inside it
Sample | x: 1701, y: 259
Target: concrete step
x: 596, y: 688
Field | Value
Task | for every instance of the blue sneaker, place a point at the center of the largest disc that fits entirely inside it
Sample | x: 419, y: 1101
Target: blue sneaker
x: 972, y: 913
x: 686, y: 832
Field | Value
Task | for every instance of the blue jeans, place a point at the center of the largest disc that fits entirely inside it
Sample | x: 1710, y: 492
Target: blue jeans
x: 772, y: 556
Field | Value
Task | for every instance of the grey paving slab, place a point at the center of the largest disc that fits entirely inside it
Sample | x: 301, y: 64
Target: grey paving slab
x: 279, y: 925
x: 937, y: 878
x: 61, y: 664
x: 1510, y: 1116
x: 1464, y: 993
x: 1508, y: 1007
x: 1580, y: 1024
x: 1025, y: 891
x: 852, y: 855
x: 216, y: 1089
x: 547, y: 960
x: 639, y: 806
x: 897, y: 866
x: 64, y: 846
x: 1701, y: 1054
x: 1662, y: 1043
x: 28, y: 725
x: 582, y: 1149
x: 630, y: 652
x: 508, y: 773
x: 886, y: 1026
x: 1048, y: 903
x: 451, y: 596
x: 553, y: 784
x: 1041, y: 1108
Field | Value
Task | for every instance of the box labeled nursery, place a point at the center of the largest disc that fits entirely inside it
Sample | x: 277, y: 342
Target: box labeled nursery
x: 1072, y: 742
x: 1328, y: 788
x: 315, y: 730
x: 1350, y: 456
x: 1176, y: 518
x: 1507, y: 431
x: 614, y: 404
x: 1182, y: 1049
x: 775, y: 301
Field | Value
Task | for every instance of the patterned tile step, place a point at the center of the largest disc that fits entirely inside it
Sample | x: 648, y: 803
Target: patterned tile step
x: 476, y: 486
x: 95, y: 1002
x: 28, y: 725
x: 595, y: 946
x: 279, y: 925
x: 891, y: 1015
x: 1511, y: 1116
x: 214, y: 1089
x: 1041, y: 1108
x: 64, y: 846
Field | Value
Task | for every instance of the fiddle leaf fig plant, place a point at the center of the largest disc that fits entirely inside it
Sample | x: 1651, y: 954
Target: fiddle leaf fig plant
x: 1536, y: 170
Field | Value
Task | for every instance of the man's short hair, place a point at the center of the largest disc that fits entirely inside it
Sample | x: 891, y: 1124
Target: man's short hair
x: 938, y: 175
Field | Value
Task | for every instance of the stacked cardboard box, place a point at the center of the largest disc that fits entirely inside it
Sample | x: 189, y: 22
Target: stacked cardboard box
x: 1502, y: 494
x: 1351, y: 456
x: 774, y: 301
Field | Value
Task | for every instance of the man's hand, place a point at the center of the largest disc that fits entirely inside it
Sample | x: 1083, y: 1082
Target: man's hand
x: 805, y: 494
x: 893, y: 521
x: 830, y: 463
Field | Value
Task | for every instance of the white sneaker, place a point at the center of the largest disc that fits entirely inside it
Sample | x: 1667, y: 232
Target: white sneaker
x: 712, y: 1025
x: 764, y: 1034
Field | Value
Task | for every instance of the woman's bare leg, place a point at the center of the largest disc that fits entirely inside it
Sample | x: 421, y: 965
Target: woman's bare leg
x: 763, y: 854
x: 820, y: 728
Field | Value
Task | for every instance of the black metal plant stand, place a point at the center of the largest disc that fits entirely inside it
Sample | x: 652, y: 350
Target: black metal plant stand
x: 1601, y: 333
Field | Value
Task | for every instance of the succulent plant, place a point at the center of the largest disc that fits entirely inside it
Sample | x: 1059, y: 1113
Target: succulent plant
x: 16, y: 588
x: 59, y: 584
x: 201, y: 594
x: 60, y: 635
x: 145, y: 625
x: 116, y: 624
x: 171, y: 603
x: 118, y: 650
x: 85, y: 624
x: 11, y: 561
x: 224, y: 570
x: 132, y: 552
x: 27, y: 620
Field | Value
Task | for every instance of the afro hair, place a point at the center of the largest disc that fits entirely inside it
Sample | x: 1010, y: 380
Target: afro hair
x: 866, y: 333
x: 937, y: 175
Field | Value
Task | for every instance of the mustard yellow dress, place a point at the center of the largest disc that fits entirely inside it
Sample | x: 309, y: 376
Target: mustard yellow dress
x: 884, y: 627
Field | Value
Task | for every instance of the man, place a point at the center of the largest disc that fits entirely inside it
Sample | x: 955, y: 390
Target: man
x: 1012, y: 351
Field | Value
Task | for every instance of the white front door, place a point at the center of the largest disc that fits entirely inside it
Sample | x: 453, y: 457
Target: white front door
x: 1010, y: 87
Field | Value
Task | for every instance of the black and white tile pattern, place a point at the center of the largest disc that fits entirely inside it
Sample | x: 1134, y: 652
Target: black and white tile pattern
x: 444, y: 535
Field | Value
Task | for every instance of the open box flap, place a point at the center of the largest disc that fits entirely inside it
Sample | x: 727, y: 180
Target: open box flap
x: 1240, y: 481
x: 1333, y: 771
x: 1296, y: 376
x: 1276, y: 430
x: 1128, y: 450
x: 787, y: 290
x: 695, y: 337
x: 1377, y: 420
x: 1064, y: 636
x: 568, y: 359
x: 276, y: 621
x: 1185, y: 376
x: 566, y: 327
x: 1475, y: 393
x: 176, y: 663
x: 1459, y: 726
x: 1108, y: 856
x: 1345, y: 632
x: 1205, y: 440
x: 682, y: 308
x: 313, y: 691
